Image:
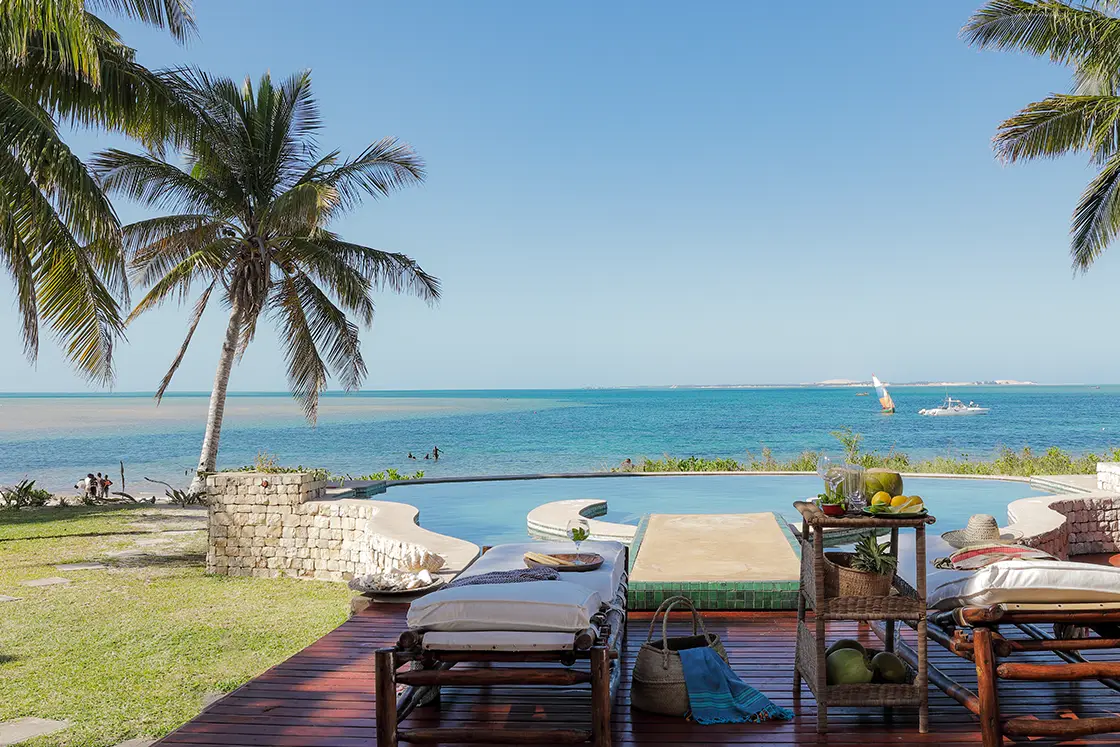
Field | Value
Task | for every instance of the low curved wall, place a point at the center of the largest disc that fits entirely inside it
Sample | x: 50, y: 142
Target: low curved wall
x: 269, y: 525
x: 1065, y: 526
x: 550, y: 520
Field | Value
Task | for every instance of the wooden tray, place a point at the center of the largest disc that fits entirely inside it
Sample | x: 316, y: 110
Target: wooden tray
x: 588, y: 561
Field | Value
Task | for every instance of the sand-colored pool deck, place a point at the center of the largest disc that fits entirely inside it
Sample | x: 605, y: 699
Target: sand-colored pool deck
x: 722, y: 561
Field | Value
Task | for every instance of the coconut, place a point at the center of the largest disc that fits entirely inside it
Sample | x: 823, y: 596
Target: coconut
x: 878, y: 479
x: 846, y: 643
x: 847, y: 667
x: 889, y: 668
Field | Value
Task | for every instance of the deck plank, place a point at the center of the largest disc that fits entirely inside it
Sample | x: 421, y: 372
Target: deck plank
x: 323, y: 697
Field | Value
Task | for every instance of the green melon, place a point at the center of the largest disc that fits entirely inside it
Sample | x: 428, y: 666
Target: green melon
x: 877, y: 479
x: 847, y: 667
x: 846, y: 643
x: 889, y: 668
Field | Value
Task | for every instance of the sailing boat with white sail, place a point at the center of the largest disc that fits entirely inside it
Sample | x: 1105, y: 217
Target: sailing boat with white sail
x: 884, y: 396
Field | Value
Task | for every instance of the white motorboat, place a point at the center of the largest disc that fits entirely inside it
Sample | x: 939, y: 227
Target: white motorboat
x: 955, y: 407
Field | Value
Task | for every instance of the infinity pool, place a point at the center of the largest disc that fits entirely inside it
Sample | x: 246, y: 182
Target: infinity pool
x: 493, y: 512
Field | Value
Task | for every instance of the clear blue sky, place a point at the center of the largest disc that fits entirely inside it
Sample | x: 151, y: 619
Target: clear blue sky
x: 655, y: 193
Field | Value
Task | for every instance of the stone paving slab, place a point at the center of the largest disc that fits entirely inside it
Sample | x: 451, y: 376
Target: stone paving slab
x: 8, y: 599
x: 52, y: 581
x: 154, y: 541
x: 81, y: 566
x: 22, y: 729
x: 138, y: 742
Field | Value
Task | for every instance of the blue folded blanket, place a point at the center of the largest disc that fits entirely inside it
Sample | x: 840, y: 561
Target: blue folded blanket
x: 513, y: 576
x: 717, y: 695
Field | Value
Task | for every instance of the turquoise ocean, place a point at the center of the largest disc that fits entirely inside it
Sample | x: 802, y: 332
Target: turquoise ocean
x: 54, y: 439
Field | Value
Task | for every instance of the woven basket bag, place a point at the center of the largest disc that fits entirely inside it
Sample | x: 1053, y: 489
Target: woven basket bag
x: 658, y: 682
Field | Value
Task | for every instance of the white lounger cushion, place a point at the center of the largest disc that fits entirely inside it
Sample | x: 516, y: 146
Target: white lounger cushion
x: 1030, y: 581
x: 604, y: 580
x: 542, y: 606
x: 498, y: 640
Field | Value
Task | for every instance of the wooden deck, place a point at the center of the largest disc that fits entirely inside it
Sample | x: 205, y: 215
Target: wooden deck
x: 323, y: 697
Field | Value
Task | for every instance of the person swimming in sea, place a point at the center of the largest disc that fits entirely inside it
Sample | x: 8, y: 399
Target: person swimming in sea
x: 435, y: 453
x: 427, y: 456
x: 410, y: 455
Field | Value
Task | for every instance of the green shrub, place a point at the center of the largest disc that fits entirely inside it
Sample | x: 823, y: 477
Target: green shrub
x: 24, y: 494
x: 1022, y: 463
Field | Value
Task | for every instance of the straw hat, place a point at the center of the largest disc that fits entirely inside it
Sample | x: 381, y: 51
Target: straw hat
x: 981, y: 529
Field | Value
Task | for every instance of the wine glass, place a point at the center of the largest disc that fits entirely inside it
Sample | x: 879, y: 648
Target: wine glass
x: 578, y: 531
x: 829, y: 472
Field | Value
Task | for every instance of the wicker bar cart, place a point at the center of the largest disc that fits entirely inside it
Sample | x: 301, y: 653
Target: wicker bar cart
x: 904, y: 603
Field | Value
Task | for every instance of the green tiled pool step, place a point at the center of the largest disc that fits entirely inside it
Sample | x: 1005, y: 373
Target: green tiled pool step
x: 714, y: 595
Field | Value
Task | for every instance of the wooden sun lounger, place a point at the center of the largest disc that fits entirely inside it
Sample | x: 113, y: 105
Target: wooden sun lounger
x: 973, y: 633
x: 431, y: 668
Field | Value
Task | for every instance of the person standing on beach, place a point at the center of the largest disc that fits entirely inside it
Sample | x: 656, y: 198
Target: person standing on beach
x: 91, y: 487
x: 105, y: 483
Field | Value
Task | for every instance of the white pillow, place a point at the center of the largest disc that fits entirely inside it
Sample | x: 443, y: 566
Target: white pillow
x: 1030, y: 582
x: 546, y: 606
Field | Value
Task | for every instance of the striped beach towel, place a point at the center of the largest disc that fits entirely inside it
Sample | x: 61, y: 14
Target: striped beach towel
x: 716, y: 695
x: 513, y: 576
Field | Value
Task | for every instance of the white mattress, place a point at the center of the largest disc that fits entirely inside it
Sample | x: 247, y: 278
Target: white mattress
x: 1030, y: 582
x: 564, y: 606
x: 542, y: 606
x: 498, y: 640
x: 604, y: 580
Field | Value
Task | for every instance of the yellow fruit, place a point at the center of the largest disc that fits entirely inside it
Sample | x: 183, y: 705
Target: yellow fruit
x: 882, y: 497
x: 899, y: 500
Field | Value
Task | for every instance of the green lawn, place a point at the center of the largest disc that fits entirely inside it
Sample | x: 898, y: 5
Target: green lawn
x: 132, y: 651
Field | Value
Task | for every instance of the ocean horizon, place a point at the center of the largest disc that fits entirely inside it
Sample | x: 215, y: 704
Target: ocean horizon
x: 56, y: 438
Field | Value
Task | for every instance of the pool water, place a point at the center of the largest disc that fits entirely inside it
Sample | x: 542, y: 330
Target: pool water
x: 494, y: 512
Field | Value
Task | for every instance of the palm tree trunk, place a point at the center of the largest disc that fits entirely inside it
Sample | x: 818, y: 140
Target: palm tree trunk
x: 208, y: 460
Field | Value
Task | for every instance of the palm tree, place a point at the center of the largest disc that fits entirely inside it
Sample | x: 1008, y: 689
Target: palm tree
x: 254, y: 200
x: 1086, y: 37
x: 59, y: 236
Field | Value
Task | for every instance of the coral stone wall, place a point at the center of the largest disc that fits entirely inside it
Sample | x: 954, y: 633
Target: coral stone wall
x: 270, y: 525
x: 1093, y: 524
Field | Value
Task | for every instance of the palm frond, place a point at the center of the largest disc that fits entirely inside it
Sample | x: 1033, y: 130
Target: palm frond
x: 196, y: 317
x: 397, y: 272
x: 176, y: 16
x: 1082, y: 36
x: 17, y: 258
x: 307, y: 374
x: 156, y: 183
x: 1061, y: 124
x: 383, y: 167
x: 1096, y: 219
x: 207, y: 261
x: 331, y: 270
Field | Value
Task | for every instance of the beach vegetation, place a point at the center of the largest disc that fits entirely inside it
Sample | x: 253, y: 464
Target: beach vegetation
x: 1023, y: 462
x: 1084, y: 36
x: 250, y: 200
x: 388, y: 474
x: 23, y: 494
x: 62, y: 65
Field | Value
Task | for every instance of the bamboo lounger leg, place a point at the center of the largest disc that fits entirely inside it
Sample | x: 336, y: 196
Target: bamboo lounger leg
x: 986, y: 688
x: 600, y: 697
x: 385, y: 697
